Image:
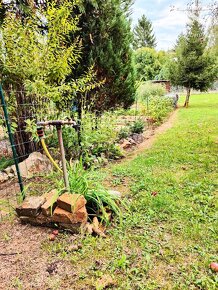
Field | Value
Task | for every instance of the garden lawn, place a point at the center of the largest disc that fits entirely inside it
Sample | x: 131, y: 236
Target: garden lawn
x: 168, y: 236
x: 166, y: 241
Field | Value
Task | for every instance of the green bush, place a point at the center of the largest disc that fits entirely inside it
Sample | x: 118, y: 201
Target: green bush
x: 98, y: 140
x: 159, y: 108
x: 149, y: 90
x: 124, y: 132
x: 138, y: 126
x: 153, y: 101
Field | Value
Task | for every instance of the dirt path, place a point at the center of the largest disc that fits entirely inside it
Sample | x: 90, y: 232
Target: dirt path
x: 151, y: 135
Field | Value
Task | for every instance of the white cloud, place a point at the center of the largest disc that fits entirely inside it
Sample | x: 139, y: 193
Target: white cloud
x: 169, y: 19
x: 167, y: 24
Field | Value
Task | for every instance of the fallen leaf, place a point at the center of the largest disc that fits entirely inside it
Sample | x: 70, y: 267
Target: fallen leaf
x: 89, y: 228
x: 154, y: 193
x: 96, y: 228
x: 105, y: 282
x: 72, y: 248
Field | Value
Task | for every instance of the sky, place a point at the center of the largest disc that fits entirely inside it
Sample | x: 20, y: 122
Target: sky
x: 167, y: 24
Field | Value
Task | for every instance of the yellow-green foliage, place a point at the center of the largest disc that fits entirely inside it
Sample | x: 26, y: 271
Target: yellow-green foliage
x: 149, y: 90
x: 153, y: 103
x: 38, y: 60
x: 28, y: 54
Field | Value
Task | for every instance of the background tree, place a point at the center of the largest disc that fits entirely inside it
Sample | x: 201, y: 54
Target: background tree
x: 213, y: 37
x: 150, y: 64
x: 143, y: 34
x: 106, y: 38
x: 194, y: 67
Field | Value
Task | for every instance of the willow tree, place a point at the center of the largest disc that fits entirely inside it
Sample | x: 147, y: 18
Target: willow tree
x: 35, y: 64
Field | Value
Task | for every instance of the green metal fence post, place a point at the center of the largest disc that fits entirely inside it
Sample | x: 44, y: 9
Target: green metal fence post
x: 11, y: 138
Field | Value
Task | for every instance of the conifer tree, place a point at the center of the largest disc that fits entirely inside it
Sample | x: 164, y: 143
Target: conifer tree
x: 106, y: 46
x: 143, y: 34
x: 194, y: 67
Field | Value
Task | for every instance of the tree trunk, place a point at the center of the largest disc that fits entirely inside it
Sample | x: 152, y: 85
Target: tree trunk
x: 188, y: 91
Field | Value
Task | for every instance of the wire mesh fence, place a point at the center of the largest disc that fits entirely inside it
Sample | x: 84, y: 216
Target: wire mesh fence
x: 23, y: 164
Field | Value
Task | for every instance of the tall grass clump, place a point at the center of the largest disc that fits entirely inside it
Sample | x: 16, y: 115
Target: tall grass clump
x: 99, y: 200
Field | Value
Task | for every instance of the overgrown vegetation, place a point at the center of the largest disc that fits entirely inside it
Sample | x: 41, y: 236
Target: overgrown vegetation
x: 75, y: 59
x: 5, y: 162
x: 99, y: 200
x: 58, y: 62
x: 154, y: 102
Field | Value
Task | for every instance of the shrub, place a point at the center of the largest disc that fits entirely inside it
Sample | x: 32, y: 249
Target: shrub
x: 149, y: 90
x: 159, y: 108
x: 98, y: 138
x: 124, y: 132
x: 154, y: 102
x: 138, y: 126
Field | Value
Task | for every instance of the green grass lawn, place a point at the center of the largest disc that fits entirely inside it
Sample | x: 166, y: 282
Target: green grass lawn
x: 166, y: 241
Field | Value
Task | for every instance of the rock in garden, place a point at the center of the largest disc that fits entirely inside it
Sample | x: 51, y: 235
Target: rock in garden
x: 132, y: 142
x: 31, y: 206
x: 138, y: 138
x: 72, y: 228
x: 34, y: 164
x: 80, y: 216
x: 9, y: 170
x: 126, y: 144
x: 62, y: 216
x: 39, y: 220
x: 71, y: 202
x: 5, y: 147
x: 3, y: 177
x: 51, y: 202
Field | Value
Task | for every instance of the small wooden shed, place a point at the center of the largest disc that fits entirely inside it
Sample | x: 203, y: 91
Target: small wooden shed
x: 166, y: 83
